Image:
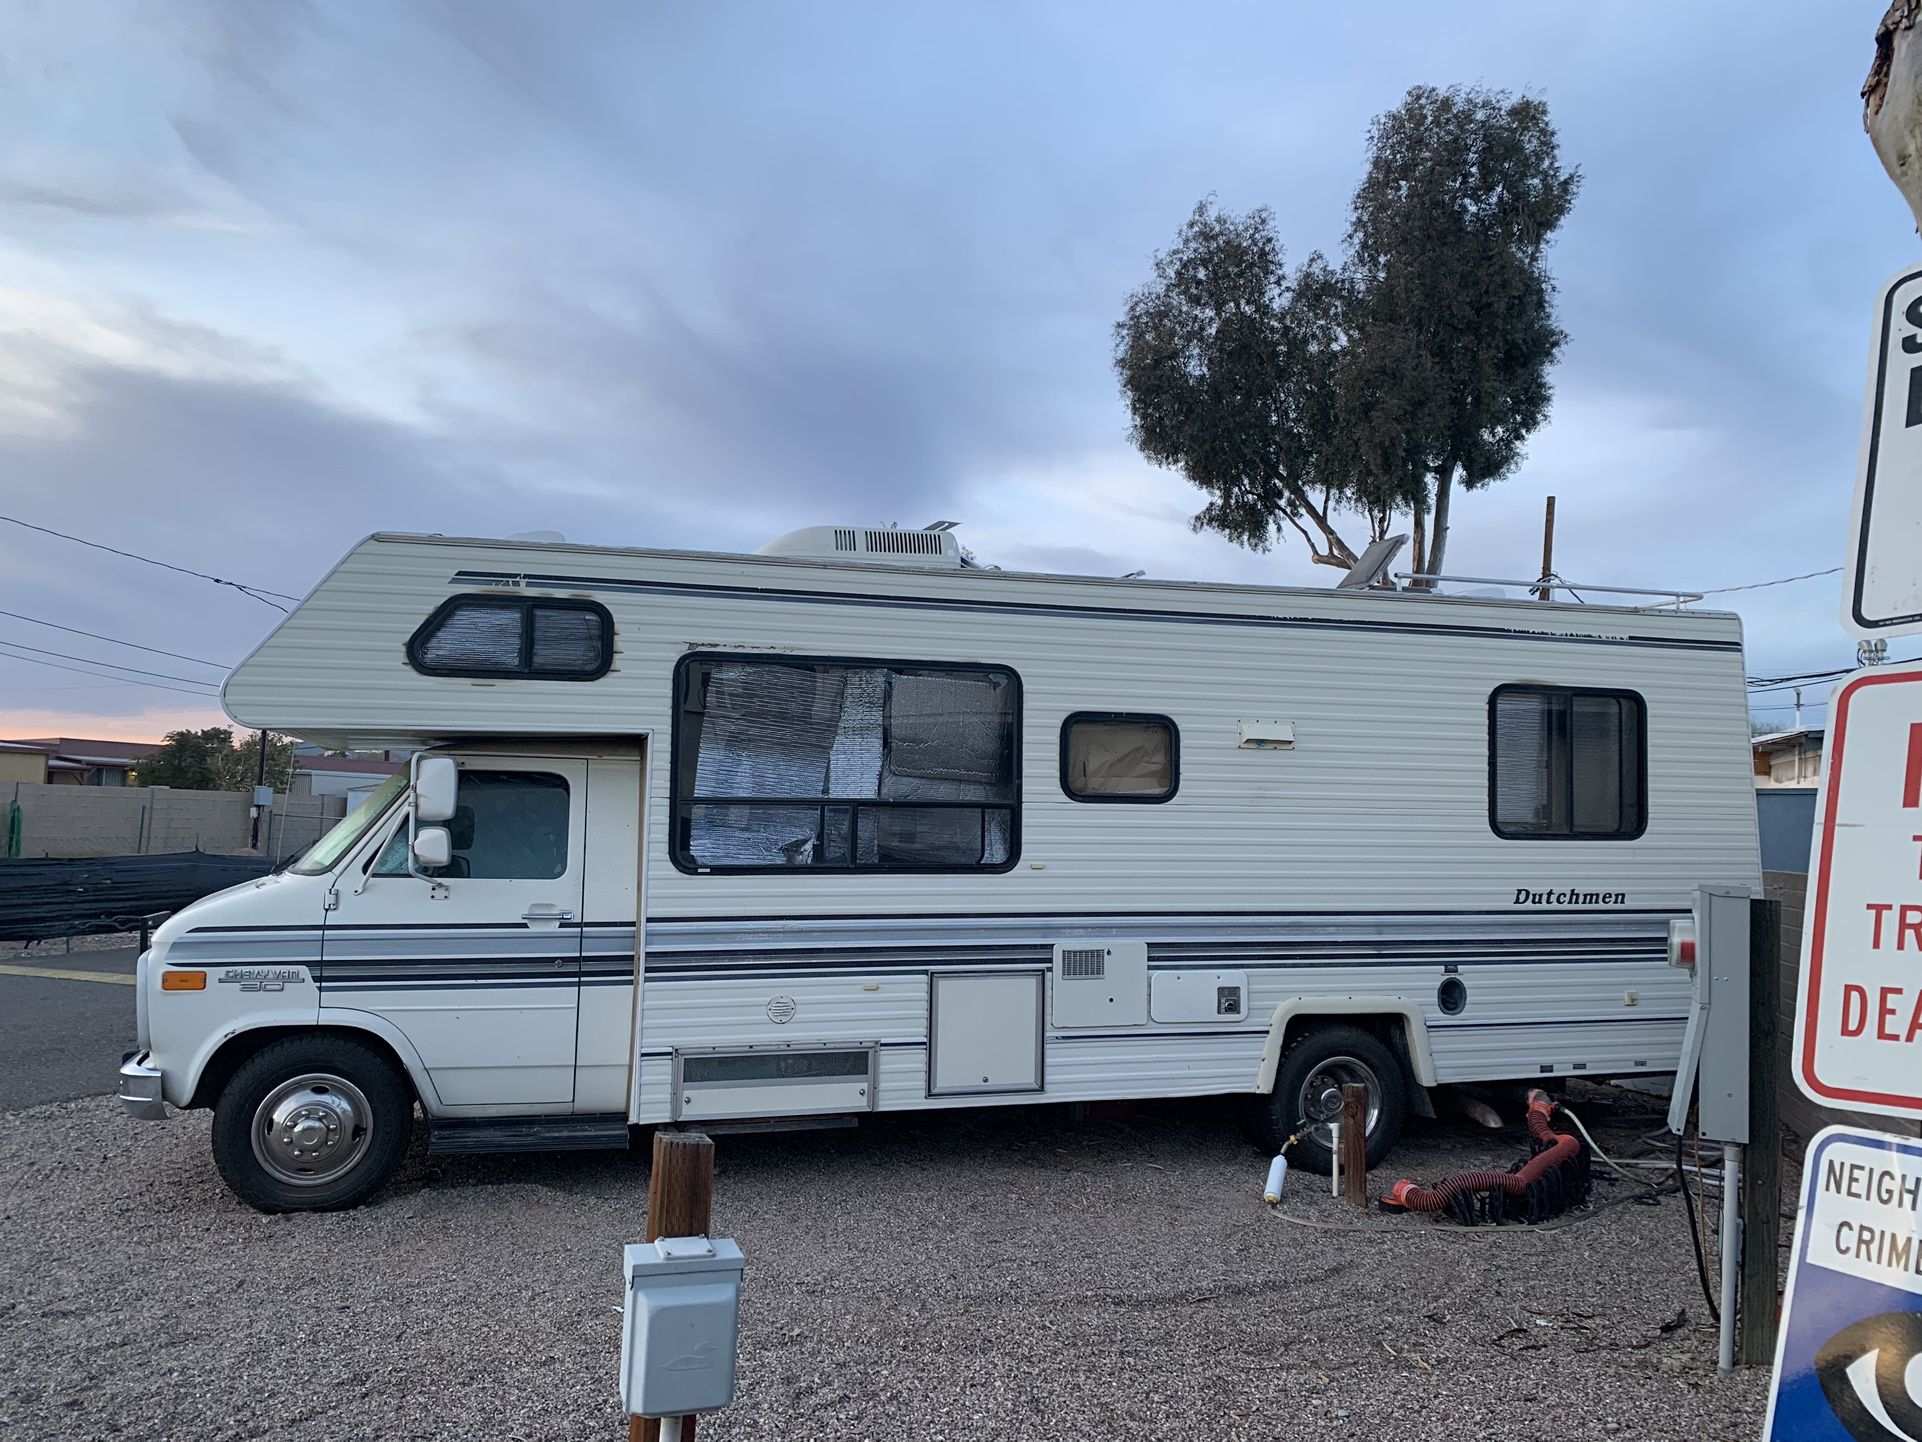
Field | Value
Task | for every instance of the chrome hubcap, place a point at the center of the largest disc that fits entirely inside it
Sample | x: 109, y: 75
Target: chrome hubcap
x: 311, y: 1129
x: 1320, y: 1100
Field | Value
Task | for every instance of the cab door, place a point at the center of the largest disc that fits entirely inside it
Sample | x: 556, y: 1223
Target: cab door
x: 478, y: 966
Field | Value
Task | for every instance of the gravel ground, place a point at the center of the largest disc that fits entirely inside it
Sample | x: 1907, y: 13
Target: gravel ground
x: 940, y: 1276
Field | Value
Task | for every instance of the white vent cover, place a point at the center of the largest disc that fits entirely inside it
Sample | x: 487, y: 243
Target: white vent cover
x: 1101, y: 984
x: 864, y: 543
x: 1084, y: 964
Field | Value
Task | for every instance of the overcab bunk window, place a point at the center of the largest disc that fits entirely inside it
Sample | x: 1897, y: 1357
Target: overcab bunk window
x: 1567, y: 765
x: 1111, y: 757
x: 562, y: 639
x: 784, y: 764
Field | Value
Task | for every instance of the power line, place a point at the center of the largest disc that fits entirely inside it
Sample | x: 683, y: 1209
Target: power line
x: 208, y: 695
x: 1760, y: 585
x: 110, y: 665
x: 258, y: 593
x: 116, y: 641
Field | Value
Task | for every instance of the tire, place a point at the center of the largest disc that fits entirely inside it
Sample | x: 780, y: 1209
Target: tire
x: 1320, y: 1058
x: 347, y: 1102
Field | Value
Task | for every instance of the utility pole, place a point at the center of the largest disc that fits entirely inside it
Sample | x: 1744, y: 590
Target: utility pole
x: 260, y: 780
x: 1543, y: 592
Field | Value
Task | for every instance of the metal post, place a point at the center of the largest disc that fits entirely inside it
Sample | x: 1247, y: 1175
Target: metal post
x: 260, y: 779
x: 1731, y: 1251
x: 671, y: 1429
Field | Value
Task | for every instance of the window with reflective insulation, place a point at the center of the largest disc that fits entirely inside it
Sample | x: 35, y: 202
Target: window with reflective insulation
x: 565, y: 640
x: 1567, y: 764
x: 1118, y: 758
x: 845, y: 766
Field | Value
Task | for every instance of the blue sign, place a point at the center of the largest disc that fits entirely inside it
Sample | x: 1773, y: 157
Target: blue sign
x: 1848, y: 1362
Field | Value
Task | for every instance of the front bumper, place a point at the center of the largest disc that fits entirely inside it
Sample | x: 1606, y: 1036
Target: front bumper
x: 140, y: 1089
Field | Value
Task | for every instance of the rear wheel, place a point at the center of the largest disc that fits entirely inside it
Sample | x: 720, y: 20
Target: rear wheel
x: 1307, y: 1095
x: 312, y: 1124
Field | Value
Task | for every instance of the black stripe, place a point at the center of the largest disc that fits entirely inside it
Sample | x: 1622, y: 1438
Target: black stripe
x: 1044, y: 608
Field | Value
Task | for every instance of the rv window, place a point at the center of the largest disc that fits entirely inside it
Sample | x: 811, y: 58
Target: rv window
x: 507, y: 826
x: 844, y: 766
x: 1567, y: 765
x: 1109, y: 757
x: 493, y: 636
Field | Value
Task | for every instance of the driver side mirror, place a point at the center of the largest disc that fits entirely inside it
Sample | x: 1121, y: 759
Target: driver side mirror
x: 436, y: 783
x: 432, y: 847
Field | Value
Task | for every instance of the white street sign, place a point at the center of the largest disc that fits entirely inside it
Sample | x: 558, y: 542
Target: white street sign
x: 1858, y: 1015
x: 1882, y: 594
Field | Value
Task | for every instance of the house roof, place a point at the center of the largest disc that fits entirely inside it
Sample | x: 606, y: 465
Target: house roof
x: 1786, y: 738
x: 92, y: 752
x: 347, y: 765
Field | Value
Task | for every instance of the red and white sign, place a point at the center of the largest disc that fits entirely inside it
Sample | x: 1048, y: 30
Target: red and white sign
x: 1858, y: 1018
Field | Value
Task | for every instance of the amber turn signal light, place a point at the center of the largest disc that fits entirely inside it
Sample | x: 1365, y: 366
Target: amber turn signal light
x: 183, y: 981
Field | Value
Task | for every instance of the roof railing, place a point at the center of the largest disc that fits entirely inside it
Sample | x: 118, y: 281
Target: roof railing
x: 1675, y: 599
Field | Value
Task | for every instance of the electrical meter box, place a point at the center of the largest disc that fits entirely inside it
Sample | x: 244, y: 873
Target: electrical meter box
x: 679, y: 1328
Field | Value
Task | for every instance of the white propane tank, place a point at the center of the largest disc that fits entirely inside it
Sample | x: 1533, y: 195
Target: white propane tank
x: 1277, y: 1174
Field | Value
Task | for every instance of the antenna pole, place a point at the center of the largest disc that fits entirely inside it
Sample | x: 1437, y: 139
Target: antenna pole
x: 1542, y: 592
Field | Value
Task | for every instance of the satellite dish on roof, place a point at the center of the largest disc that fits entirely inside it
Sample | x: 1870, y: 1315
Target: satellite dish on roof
x: 1374, y: 561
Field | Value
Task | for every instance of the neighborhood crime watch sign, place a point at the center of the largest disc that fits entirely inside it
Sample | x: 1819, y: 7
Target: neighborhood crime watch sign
x: 1848, y: 1357
x: 1858, y: 1017
x: 1882, y: 592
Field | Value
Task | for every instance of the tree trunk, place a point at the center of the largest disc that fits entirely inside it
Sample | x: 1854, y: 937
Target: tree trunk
x: 1438, y: 546
x: 1892, y: 100
x: 1338, y: 552
x: 1418, y: 561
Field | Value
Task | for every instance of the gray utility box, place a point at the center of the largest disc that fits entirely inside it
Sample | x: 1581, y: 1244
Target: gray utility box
x: 679, y: 1328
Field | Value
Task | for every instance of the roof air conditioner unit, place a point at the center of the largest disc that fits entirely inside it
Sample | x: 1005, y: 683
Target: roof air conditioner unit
x: 860, y: 543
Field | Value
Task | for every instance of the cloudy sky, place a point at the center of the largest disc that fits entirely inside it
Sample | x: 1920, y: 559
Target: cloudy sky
x: 276, y: 276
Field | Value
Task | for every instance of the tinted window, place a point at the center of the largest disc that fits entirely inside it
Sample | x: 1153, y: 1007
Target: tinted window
x: 1566, y: 765
x: 561, y: 640
x: 1118, y: 758
x: 507, y: 826
x: 844, y: 766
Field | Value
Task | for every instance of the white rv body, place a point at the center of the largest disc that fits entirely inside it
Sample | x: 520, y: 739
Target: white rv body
x: 1327, y: 851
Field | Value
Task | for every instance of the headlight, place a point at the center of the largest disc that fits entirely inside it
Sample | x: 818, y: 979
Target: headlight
x: 142, y: 1033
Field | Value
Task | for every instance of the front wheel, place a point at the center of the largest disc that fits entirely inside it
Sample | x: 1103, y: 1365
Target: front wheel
x: 1308, y: 1083
x: 312, y: 1124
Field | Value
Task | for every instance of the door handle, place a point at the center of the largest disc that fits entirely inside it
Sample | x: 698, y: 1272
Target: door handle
x: 555, y: 915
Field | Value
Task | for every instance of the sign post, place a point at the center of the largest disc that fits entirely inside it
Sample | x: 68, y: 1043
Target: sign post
x: 1848, y: 1361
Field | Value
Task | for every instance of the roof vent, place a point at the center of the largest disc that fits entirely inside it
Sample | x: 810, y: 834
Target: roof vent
x: 851, y: 543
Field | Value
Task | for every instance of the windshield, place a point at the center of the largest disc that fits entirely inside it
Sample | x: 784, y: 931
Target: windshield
x: 350, y: 828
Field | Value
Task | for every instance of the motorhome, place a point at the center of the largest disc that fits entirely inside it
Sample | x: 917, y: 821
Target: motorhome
x: 852, y: 825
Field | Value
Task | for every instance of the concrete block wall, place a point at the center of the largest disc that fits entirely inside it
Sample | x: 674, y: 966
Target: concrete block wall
x: 80, y: 821
x: 1800, y: 1116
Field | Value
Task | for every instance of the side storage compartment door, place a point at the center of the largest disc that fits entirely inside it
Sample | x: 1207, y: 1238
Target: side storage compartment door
x: 984, y: 1034
x: 481, y: 968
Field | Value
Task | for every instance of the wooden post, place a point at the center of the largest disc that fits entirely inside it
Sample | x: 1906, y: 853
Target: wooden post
x: 1354, y: 1143
x: 1761, y: 1200
x: 680, y: 1203
x: 1543, y: 592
